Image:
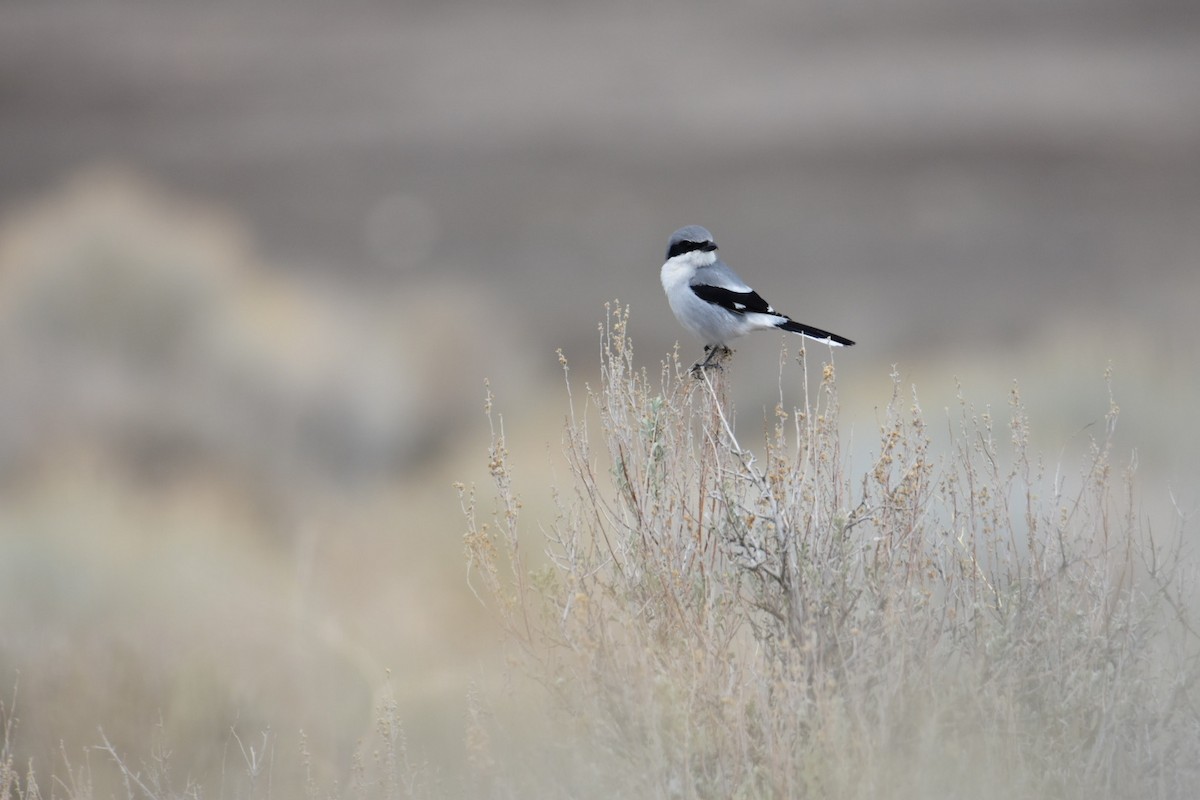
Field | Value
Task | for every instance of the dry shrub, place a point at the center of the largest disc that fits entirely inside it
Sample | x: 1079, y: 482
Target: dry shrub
x: 718, y: 623
x: 145, y: 324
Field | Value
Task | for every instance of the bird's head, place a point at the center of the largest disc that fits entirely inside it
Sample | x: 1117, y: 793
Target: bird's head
x: 692, y: 239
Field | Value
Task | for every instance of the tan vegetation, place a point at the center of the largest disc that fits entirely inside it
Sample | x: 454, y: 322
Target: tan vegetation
x: 719, y: 623
x: 208, y: 563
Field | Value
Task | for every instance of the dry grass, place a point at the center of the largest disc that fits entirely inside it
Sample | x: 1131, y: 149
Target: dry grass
x: 211, y: 523
x: 704, y: 618
x: 719, y: 623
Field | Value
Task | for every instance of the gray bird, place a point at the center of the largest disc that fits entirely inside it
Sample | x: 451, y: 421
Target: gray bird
x: 714, y: 304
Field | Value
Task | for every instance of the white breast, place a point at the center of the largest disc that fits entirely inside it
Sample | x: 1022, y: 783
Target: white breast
x: 676, y: 274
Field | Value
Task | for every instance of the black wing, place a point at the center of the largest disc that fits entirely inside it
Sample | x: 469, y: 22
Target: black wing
x: 737, y: 302
x: 743, y: 302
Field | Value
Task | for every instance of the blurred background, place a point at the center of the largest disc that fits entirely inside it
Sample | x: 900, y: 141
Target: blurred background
x: 257, y: 260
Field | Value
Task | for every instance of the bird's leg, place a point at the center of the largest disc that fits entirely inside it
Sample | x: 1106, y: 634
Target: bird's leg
x: 712, y: 360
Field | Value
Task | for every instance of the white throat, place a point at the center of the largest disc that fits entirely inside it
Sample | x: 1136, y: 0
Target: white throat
x: 678, y: 271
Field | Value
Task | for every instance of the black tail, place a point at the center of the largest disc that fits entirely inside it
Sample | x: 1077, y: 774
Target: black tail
x: 813, y: 333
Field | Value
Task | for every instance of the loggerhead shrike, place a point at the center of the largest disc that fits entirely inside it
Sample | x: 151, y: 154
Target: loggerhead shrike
x: 711, y: 301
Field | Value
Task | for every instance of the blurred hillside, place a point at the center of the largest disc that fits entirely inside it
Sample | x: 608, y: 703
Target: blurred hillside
x: 256, y: 261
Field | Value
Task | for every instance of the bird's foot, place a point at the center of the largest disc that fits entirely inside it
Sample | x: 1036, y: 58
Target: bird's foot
x: 714, y: 358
